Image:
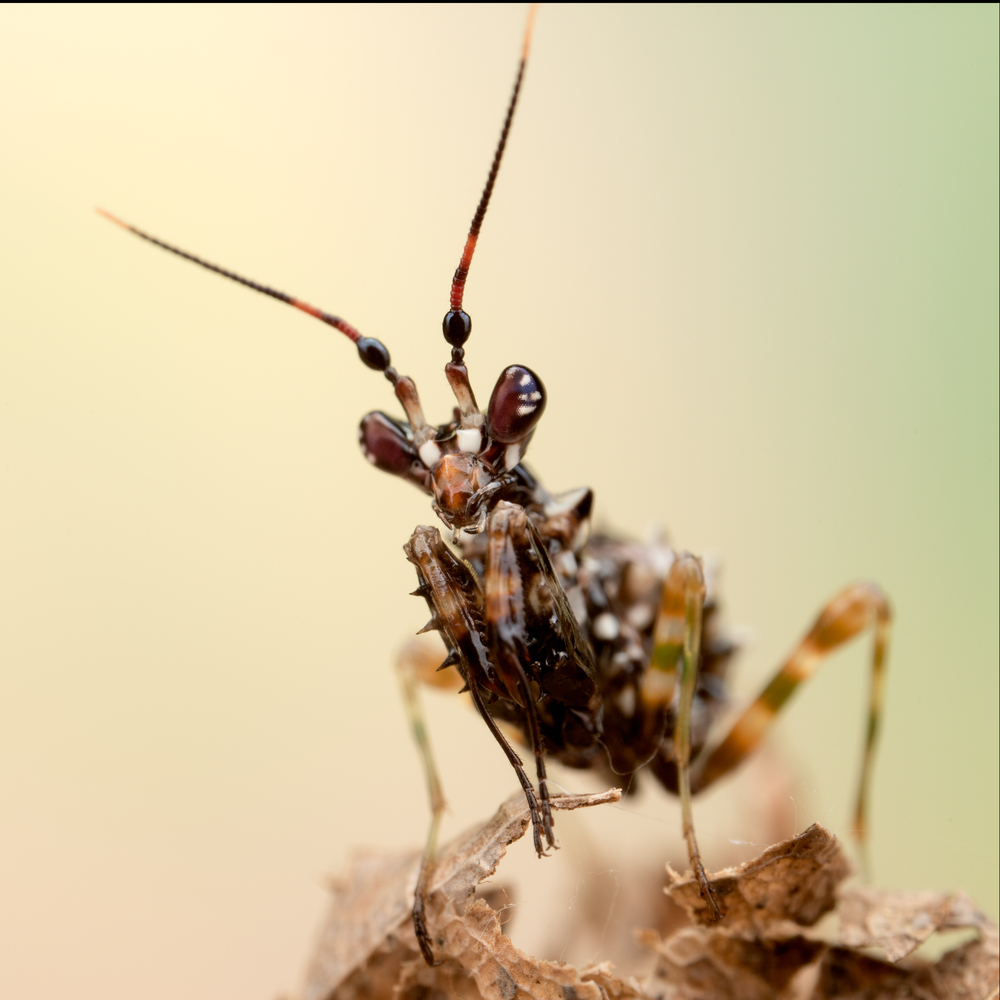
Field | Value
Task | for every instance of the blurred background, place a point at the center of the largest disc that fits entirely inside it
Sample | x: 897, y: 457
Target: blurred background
x: 751, y: 251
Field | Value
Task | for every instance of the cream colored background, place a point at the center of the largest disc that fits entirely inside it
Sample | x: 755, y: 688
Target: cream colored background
x: 752, y: 253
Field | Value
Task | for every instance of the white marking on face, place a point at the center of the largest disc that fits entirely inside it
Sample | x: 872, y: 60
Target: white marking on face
x: 470, y: 439
x: 512, y: 455
x: 430, y: 454
x: 606, y: 626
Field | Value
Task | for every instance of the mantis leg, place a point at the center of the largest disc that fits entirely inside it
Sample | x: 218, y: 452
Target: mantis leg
x: 678, y: 641
x: 414, y: 709
x: 852, y: 611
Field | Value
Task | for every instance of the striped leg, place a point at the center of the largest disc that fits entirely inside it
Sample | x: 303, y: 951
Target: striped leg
x: 412, y: 667
x: 678, y: 638
x: 860, y: 606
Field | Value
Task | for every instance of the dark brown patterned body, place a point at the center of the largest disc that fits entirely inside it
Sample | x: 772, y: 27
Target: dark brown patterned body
x: 567, y: 634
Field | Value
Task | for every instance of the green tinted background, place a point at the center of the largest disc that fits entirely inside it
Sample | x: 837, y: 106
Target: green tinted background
x: 753, y: 254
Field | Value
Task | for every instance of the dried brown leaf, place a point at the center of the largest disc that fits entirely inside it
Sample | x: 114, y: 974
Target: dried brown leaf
x: 701, y: 964
x: 795, y: 880
x: 366, y: 910
x: 474, y: 942
x: 367, y: 948
x: 969, y: 972
x: 899, y: 922
x: 368, y: 951
x: 611, y: 987
x: 852, y: 975
x: 756, y: 952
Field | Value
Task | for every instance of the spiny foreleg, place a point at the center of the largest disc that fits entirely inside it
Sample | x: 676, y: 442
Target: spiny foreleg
x: 455, y: 600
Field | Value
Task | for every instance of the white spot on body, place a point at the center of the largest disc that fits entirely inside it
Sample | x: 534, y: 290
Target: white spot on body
x: 430, y: 454
x: 578, y: 604
x: 640, y: 616
x: 512, y: 455
x: 540, y: 598
x: 566, y: 564
x: 606, y: 626
x: 640, y: 581
x: 626, y: 700
x: 470, y: 439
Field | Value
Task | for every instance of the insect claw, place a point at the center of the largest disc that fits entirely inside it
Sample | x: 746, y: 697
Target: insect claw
x: 550, y: 837
x: 463, y: 689
x: 422, y: 591
x: 537, y: 837
x: 432, y: 626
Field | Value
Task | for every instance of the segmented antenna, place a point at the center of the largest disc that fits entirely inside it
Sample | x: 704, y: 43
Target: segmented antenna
x: 457, y: 323
x: 373, y: 352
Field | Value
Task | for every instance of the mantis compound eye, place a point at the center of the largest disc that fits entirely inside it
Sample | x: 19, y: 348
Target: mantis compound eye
x: 384, y: 443
x: 517, y: 402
